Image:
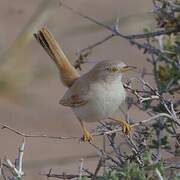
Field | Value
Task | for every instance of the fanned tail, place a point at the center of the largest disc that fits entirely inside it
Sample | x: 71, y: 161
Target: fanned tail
x: 68, y: 73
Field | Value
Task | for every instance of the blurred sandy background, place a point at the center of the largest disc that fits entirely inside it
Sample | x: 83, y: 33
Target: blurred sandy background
x: 31, y: 104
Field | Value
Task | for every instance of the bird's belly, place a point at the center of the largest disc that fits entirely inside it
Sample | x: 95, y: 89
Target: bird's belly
x: 102, y: 105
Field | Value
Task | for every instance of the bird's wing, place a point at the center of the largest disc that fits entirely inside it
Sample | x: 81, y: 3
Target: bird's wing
x: 77, y: 95
x: 73, y: 101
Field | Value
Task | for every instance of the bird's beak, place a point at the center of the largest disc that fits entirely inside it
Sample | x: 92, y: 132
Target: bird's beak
x: 127, y: 68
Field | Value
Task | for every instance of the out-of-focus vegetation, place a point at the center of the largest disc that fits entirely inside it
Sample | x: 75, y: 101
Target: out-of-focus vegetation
x: 16, y: 69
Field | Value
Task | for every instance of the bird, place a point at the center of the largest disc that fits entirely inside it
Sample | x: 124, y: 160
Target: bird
x: 95, y: 95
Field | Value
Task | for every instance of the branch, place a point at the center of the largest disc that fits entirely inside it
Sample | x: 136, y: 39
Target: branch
x: 81, y: 169
x: 155, y: 33
x: 98, y: 167
x: 135, y: 36
x: 143, y: 122
x: 97, y: 43
x: 147, y: 47
x: 140, y: 98
x: 4, y: 126
x: 83, y: 53
x: 16, y: 169
x: 63, y: 176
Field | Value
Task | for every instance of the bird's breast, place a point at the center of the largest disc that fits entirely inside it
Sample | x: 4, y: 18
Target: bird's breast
x: 103, y: 101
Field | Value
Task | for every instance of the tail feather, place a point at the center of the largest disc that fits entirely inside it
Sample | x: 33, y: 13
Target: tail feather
x: 67, y: 72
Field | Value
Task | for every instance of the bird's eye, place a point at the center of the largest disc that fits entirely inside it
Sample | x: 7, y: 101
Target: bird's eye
x: 111, y: 69
x: 107, y: 69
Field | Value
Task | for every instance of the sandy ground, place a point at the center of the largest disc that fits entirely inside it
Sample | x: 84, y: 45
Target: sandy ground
x: 38, y: 111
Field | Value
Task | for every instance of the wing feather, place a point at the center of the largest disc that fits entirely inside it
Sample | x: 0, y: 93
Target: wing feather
x: 73, y: 101
x: 77, y: 95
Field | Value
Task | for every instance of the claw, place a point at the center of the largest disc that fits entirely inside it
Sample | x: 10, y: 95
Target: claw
x: 87, y: 136
x: 126, y: 127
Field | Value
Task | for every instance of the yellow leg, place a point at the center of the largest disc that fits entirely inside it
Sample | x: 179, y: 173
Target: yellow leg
x: 126, y: 127
x: 86, y: 134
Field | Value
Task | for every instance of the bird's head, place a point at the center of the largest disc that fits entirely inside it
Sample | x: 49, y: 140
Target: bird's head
x: 111, y: 69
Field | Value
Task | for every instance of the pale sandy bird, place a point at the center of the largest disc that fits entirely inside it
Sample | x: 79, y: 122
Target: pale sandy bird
x: 93, y: 96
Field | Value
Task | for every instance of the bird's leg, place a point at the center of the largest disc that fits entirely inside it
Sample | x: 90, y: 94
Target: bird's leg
x: 86, y: 134
x: 126, y: 127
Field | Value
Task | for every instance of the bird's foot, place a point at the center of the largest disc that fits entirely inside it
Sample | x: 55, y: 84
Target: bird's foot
x: 87, y: 136
x: 126, y: 127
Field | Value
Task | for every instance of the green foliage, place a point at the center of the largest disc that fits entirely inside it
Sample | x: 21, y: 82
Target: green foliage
x: 131, y: 171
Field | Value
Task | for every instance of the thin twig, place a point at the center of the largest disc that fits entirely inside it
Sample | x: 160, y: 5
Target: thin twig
x: 97, y: 43
x: 140, y: 98
x: 147, y: 47
x: 4, y: 126
x: 155, y: 33
x: 81, y: 169
x: 144, y: 121
x: 83, y: 53
x: 99, y: 165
